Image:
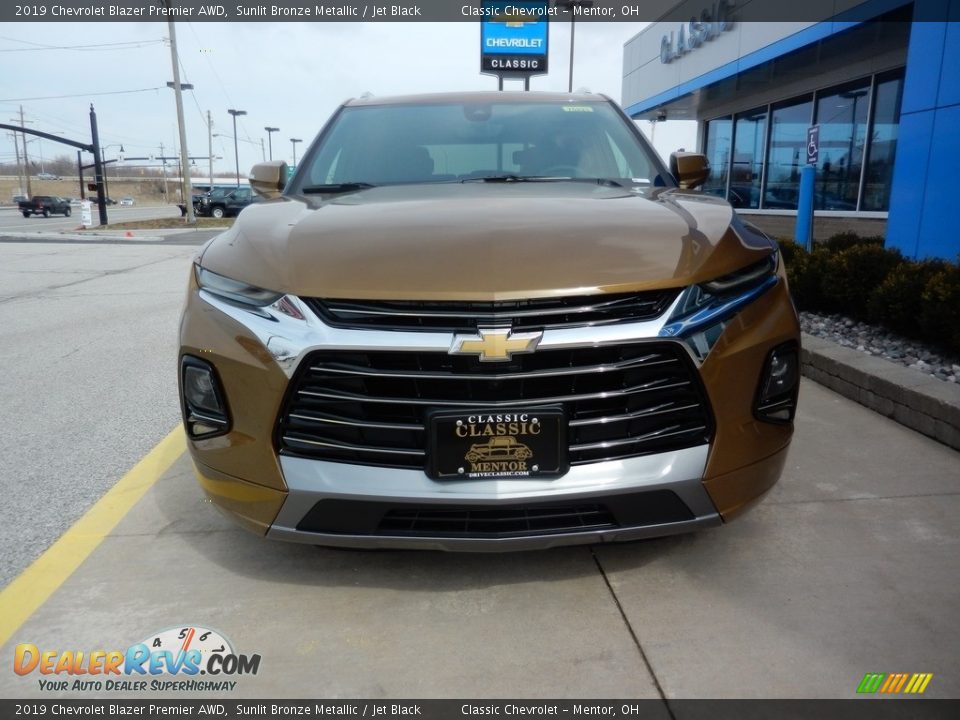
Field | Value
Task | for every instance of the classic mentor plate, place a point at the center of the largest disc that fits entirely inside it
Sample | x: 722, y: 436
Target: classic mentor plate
x: 497, y: 444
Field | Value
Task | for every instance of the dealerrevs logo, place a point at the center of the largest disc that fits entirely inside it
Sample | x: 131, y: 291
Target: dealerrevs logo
x: 170, y: 660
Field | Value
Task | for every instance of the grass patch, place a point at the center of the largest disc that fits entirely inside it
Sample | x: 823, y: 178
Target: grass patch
x: 169, y: 223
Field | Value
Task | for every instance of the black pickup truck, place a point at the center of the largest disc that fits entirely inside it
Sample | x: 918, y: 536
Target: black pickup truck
x: 44, y: 205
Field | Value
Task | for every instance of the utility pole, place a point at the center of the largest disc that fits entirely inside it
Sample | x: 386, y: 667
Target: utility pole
x: 184, y: 156
x: 210, y: 146
x: 163, y: 166
x: 26, y: 165
x: 263, y: 151
x: 16, y: 148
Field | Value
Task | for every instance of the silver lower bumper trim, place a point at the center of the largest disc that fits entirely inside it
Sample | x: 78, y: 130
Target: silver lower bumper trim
x: 533, y: 542
x: 310, y: 481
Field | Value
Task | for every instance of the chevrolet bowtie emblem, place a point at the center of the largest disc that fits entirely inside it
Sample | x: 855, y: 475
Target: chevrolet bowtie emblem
x: 495, y: 344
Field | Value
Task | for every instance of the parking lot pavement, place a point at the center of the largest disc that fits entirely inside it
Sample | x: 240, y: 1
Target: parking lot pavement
x: 849, y: 566
x: 88, y: 366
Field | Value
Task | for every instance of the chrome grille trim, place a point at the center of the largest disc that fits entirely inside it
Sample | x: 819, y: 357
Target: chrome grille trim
x: 620, y: 400
x: 637, y: 440
x: 609, y: 367
x: 453, y: 315
x: 647, y: 387
x: 356, y: 423
x: 626, y: 417
x: 355, y: 448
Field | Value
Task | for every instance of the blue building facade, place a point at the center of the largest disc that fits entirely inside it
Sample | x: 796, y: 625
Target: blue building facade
x: 881, y: 79
x: 923, y: 207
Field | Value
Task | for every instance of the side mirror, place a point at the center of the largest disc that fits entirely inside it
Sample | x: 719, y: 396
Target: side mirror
x: 690, y: 169
x: 269, y: 178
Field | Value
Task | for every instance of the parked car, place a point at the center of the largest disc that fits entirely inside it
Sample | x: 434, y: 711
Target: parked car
x: 226, y: 203
x: 128, y: 201
x: 76, y: 202
x: 107, y: 201
x: 568, y: 343
x: 45, y: 205
x: 47, y: 176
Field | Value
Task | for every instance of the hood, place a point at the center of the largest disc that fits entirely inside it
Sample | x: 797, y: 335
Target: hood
x: 484, y: 241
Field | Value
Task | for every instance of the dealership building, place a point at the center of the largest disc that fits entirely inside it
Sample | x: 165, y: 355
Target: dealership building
x: 880, y: 78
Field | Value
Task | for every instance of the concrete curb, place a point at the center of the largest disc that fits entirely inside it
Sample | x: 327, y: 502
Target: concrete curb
x: 920, y: 402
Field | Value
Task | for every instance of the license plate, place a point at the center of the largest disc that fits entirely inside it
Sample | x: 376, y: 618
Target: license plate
x: 491, y: 445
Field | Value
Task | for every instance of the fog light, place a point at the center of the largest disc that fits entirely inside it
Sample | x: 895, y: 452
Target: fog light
x: 202, y: 399
x: 779, y: 382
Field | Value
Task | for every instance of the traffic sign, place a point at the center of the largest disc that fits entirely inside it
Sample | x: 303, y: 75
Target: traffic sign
x: 813, y: 144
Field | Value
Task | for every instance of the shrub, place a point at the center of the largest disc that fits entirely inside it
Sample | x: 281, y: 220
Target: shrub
x: 789, y: 251
x: 940, y: 315
x: 897, y: 302
x: 846, y: 240
x: 850, y: 277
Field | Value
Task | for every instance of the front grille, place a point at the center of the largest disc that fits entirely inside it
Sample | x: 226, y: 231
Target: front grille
x: 538, y: 313
x: 371, y: 517
x: 371, y: 408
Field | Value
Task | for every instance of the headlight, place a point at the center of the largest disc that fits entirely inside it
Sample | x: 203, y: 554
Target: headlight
x: 703, y: 311
x: 234, y: 290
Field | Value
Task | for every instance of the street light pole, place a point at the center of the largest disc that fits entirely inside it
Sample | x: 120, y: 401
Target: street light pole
x: 270, y: 132
x: 570, y: 6
x: 294, y: 141
x: 209, y: 149
x: 236, y: 150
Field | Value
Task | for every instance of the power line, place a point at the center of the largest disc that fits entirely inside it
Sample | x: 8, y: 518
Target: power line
x: 60, y: 97
x: 127, y: 45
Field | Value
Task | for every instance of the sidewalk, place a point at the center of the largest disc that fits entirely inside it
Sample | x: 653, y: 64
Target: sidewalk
x: 153, y: 235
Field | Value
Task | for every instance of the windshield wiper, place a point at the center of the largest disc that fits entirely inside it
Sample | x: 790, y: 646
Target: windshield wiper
x: 508, y: 178
x: 336, y: 188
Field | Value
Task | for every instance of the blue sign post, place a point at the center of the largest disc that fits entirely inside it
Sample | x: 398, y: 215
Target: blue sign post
x: 803, y: 235
x: 514, y: 38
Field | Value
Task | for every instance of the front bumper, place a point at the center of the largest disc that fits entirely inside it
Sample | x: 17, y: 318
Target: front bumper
x: 312, y: 483
x: 256, y: 353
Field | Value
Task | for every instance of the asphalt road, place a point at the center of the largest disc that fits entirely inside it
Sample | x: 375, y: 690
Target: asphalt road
x: 848, y: 566
x: 11, y: 221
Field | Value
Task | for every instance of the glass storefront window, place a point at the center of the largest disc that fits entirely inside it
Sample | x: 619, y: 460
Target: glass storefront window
x: 787, y: 153
x: 842, y: 117
x: 883, y: 144
x: 719, y: 138
x: 747, y: 170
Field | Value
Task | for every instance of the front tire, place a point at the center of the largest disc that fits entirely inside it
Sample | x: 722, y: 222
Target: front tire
x: 46, y: 213
x: 26, y: 214
x: 66, y: 213
x: 217, y: 212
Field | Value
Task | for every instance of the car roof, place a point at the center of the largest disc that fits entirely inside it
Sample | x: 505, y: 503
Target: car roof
x: 482, y: 96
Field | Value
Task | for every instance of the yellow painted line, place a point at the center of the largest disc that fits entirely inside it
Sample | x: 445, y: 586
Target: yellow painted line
x: 33, y: 587
x: 923, y: 686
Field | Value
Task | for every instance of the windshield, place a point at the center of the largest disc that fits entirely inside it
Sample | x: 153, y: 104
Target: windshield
x: 456, y: 142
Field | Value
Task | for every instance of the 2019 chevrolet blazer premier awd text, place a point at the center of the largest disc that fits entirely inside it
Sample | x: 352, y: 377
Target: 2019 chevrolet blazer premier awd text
x: 486, y: 321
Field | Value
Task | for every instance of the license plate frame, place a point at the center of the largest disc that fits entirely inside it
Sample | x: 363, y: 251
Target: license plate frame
x: 485, y: 444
